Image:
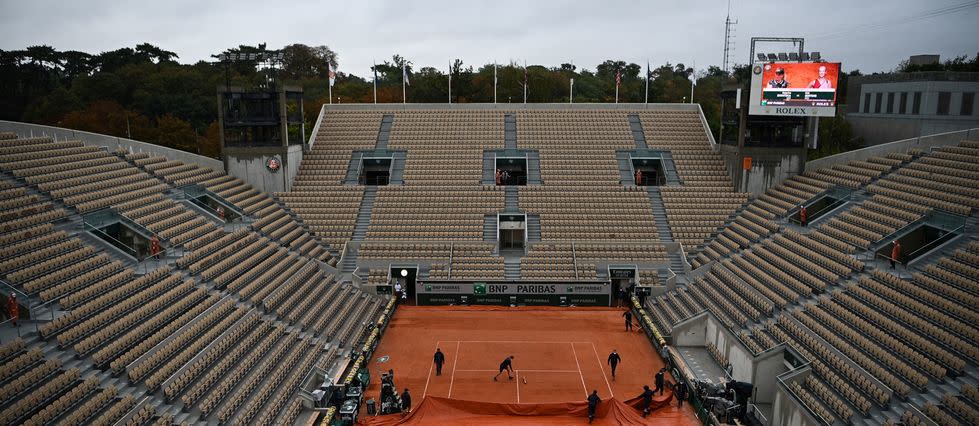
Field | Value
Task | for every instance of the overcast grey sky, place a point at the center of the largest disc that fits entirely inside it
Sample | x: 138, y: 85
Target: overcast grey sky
x: 870, y: 35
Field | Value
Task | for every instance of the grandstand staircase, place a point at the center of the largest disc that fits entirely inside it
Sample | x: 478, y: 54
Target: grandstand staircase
x: 533, y: 168
x: 511, y: 266
x: 533, y: 228
x: 384, y: 133
x: 637, y: 133
x: 659, y: 214
x: 510, y: 131
x: 364, y: 214
x: 489, y: 228
x: 512, y: 199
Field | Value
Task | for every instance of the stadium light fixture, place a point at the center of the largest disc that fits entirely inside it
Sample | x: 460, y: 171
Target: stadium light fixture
x: 782, y: 56
x: 404, y: 273
x: 761, y: 57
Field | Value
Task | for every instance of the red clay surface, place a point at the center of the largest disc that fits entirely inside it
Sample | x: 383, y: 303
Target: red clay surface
x: 561, y: 352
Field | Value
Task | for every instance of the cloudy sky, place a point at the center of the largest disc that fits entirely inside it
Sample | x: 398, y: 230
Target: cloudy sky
x: 870, y: 35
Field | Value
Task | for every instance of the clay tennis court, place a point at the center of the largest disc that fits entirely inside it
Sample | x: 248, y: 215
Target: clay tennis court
x: 560, y: 352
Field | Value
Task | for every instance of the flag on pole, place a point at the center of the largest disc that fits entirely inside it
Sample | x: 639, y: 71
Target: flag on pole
x: 450, y: 82
x: 618, y: 81
x: 332, y: 76
x: 571, y: 94
x: 404, y: 73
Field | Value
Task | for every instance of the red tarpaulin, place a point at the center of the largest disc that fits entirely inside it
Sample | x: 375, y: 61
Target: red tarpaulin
x: 443, y: 411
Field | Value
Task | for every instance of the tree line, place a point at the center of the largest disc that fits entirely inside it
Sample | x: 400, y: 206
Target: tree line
x: 144, y: 93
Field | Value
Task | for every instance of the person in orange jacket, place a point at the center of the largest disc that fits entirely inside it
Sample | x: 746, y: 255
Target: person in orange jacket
x: 13, y: 308
x: 895, y: 253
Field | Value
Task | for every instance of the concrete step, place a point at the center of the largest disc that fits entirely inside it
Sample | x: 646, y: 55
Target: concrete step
x: 489, y: 228
x: 364, y: 213
x: 512, y: 199
x: 384, y: 133
x: 533, y: 228
x: 635, y: 125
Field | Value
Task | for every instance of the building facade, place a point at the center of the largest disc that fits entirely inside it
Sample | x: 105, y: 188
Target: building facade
x: 889, y: 107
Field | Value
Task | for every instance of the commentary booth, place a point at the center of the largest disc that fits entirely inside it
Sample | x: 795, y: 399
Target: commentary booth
x: 506, y: 293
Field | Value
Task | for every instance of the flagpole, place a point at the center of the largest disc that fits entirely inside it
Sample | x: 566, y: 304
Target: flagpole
x: 494, y: 82
x: 375, y: 82
x: 526, y: 81
x: 404, y: 77
x: 647, y: 83
x: 616, y: 92
x: 450, y: 82
x: 329, y: 81
x: 571, y: 93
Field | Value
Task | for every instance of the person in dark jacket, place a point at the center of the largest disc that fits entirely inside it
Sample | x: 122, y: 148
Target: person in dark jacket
x: 628, y: 319
x: 593, y: 401
x: 406, y: 401
x: 680, y: 392
x: 506, y: 365
x: 660, y: 378
x: 439, y: 360
x: 613, y: 360
x: 647, y: 399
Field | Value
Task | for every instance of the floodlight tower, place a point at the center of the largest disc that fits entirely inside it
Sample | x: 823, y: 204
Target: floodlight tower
x: 728, y: 38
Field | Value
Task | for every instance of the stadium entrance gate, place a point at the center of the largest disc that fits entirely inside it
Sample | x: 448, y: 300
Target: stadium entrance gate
x: 512, y: 293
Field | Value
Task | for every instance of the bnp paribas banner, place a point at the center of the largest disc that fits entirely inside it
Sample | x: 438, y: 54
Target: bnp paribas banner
x: 523, y: 288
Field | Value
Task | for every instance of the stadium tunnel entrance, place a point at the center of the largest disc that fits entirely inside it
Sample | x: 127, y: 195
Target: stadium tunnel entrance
x: 375, y: 171
x: 938, y: 229
x: 511, y: 171
x: 513, y: 231
x: 830, y: 200
x: 648, y: 171
x: 621, y: 277
x: 125, y: 235
x: 407, y: 276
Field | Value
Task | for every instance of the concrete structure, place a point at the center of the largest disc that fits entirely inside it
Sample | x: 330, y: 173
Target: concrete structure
x: 923, y: 143
x: 111, y: 143
x: 691, y: 337
x: 255, y: 128
x: 769, y: 166
x: 888, y: 107
x: 924, y: 59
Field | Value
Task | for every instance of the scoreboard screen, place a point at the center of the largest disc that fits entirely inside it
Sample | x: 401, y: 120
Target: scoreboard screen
x: 794, y: 88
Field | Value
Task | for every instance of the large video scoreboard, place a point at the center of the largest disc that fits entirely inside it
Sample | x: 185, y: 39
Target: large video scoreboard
x: 794, y: 88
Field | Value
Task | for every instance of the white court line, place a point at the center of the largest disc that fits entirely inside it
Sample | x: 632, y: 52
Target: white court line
x: 454, y: 362
x: 575, y: 353
x: 430, y: 372
x: 516, y: 341
x: 602, y: 366
x: 522, y: 369
x: 517, y: 373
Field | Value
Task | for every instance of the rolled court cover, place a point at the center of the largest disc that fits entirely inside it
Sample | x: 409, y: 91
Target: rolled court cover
x: 444, y: 411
